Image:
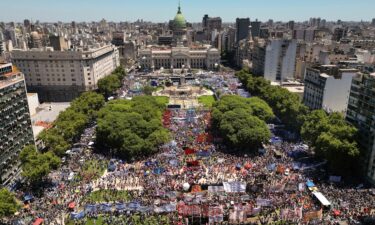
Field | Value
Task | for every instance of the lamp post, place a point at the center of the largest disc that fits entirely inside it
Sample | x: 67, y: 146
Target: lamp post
x: 144, y: 62
x: 216, y: 66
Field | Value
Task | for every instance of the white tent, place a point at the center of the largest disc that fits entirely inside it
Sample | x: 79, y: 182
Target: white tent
x: 321, y: 198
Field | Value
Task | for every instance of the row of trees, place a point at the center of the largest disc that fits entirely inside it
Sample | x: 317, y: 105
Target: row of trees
x: 66, y: 130
x: 110, y: 84
x: 286, y: 105
x: 242, y: 121
x: 131, y: 128
x: 330, y: 136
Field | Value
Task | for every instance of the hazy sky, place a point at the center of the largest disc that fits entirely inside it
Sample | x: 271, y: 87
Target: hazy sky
x: 164, y: 10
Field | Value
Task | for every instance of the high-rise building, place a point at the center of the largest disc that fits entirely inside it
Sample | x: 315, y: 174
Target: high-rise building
x: 280, y: 59
x: 258, y: 57
x: 255, y: 28
x: 338, y: 33
x: 15, y: 124
x: 361, y: 114
x: 62, y: 75
x: 35, y: 40
x: 373, y: 22
x: 118, y: 38
x: 242, y: 29
x: 290, y: 25
x: 307, y: 35
x: 2, y: 44
x: 327, y: 87
x: 27, y: 25
x: 229, y: 37
x: 211, y: 23
x: 58, y: 43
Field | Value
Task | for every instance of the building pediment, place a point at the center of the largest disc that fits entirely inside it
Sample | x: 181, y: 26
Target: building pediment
x: 180, y: 54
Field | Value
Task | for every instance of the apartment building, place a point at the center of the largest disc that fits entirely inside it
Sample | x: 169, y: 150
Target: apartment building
x: 361, y: 113
x: 15, y: 124
x: 60, y: 76
x: 327, y: 87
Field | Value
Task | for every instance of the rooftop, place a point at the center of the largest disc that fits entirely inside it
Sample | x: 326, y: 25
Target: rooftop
x: 46, y: 115
x: 10, y: 78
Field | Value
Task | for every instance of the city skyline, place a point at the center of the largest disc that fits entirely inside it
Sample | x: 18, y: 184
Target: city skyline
x: 163, y: 11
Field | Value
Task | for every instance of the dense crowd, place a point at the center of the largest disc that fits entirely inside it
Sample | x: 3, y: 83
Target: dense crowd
x: 184, y: 173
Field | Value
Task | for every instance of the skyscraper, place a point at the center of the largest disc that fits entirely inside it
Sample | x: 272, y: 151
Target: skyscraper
x: 255, y: 28
x: 242, y: 29
x: 362, y: 115
x: 15, y: 124
x: 280, y: 58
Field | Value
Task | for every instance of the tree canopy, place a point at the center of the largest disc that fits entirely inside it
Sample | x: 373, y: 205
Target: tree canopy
x: 36, y: 165
x: 241, y: 121
x: 71, y: 122
x: 131, y: 128
x: 8, y: 203
x: 332, y: 138
x: 286, y: 105
x: 108, y: 85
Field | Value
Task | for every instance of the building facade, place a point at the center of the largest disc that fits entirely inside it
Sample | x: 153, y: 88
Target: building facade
x: 242, y: 29
x: 179, y: 57
x: 280, y: 60
x: 328, y: 87
x: 361, y: 114
x: 180, y: 54
x: 62, y: 75
x: 15, y: 124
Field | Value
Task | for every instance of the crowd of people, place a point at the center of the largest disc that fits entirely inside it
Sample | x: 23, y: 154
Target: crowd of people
x: 193, y: 178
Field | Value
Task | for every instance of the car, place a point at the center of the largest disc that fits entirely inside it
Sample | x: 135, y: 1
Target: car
x: 287, y: 172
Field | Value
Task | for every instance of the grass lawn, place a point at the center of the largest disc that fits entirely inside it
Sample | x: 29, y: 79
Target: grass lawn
x: 99, y: 221
x: 134, y: 219
x: 206, y: 100
x: 158, y: 88
x: 107, y: 196
x: 162, y: 99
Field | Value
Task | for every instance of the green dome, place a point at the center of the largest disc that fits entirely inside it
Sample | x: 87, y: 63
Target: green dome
x: 179, y: 20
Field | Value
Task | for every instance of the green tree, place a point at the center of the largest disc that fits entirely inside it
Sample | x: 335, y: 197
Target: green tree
x: 148, y: 90
x: 286, y: 106
x: 70, y: 124
x: 36, y: 165
x: 8, y: 203
x: 131, y: 129
x: 332, y: 138
x: 260, y: 108
x: 109, y: 84
x: 120, y: 72
x: 88, y: 103
x: 315, y: 123
x: 54, y: 141
x: 241, y: 121
x: 256, y: 85
x: 242, y: 130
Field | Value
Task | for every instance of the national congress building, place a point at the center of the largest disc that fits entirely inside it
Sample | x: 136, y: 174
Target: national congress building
x: 179, y: 55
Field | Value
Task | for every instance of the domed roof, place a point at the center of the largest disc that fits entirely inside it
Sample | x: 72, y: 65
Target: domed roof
x: 179, y: 21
